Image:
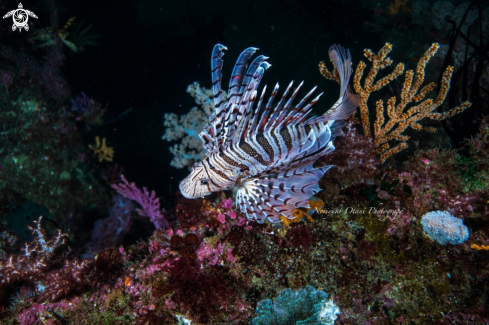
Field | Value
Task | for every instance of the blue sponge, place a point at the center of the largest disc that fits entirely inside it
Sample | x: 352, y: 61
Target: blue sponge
x: 444, y: 228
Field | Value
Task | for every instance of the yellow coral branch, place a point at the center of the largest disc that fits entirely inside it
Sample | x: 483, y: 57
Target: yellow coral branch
x: 101, y: 150
x: 379, y: 61
x: 400, y: 117
x: 332, y: 75
x: 479, y: 248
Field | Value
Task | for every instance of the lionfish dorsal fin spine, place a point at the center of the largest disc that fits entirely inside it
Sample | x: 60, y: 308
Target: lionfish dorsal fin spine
x: 229, y: 126
x: 238, y: 74
x: 256, y: 115
x: 292, y: 97
x: 280, y: 119
x: 279, y: 108
x: 307, y: 109
x: 238, y: 117
x: 285, y: 116
x: 311, y: 103
x: 246, y: 95
x: 297, y: 112
x: 264, y: 117
x: 242, y: 127
x: 257, y: 63
x: 239, y: 80
x: 306, y: 97
x: 289, y: 103
x: 248, y: 99
x: 216, y: 120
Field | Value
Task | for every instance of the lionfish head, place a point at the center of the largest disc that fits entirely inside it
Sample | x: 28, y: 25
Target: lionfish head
x: 203, y: 180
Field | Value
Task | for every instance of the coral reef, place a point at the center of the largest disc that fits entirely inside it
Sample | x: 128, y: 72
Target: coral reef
x: 41, y: 156
x: 372, y: 270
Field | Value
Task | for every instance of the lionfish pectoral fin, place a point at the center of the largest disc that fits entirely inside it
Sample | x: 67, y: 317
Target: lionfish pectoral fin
x: 337, y: 128
x: 274, y: 195
x: 308, y: 142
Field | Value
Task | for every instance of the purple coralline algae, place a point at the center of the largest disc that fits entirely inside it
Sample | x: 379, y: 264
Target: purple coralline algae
x: 444, y: 228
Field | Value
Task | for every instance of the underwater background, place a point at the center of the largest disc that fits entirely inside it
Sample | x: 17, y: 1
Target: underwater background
x: 101, y: 103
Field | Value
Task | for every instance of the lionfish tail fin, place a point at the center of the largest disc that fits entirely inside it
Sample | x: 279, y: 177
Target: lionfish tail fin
x: 348, y: 102
x: 341, y: 59
x: 342, y: 109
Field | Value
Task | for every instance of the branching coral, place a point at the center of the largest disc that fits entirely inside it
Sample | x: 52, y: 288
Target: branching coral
x: 400, y: 117
x: 45, y: 266
x: 149, y: 202
x: 101, y: 150
x: 37, y: 258
x: 479, y: 248
x: 409, y: 111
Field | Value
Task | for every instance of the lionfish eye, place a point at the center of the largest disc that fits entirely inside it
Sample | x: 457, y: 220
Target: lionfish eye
x: 204, y: 181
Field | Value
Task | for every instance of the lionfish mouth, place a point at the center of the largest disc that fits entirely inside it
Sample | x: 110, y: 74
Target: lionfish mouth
x: 190, y: 191
x: 185, y: 189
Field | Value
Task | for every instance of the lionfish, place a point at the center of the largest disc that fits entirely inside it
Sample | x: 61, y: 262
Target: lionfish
x: 267, y: 154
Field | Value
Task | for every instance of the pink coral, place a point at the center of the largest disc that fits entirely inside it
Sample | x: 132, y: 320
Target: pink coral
x: 149, y: 202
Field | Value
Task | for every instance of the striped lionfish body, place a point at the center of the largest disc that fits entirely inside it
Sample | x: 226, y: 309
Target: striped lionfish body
x: 267, y: 153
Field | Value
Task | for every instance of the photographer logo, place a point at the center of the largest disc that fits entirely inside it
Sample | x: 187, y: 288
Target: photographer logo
x: 20, y: 17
